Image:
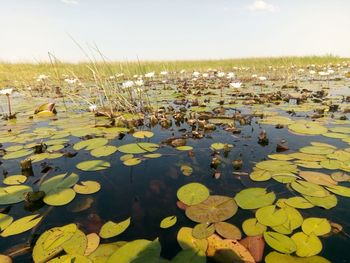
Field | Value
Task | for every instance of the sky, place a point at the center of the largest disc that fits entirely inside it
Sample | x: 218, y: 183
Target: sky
x: 172, y: 29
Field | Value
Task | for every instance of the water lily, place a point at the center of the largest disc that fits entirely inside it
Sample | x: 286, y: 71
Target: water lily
x: 236, y: 85
x: 262, y: 78
x: 149, y: 75
x: 139, y: 82
x: 7, y: 92
x: 312, y: 72
x: 230, y: 75
x: 128, y: 84
x: 195, y: 74
x: 93, y: 107
x: 221, y: 74
x: 205, y: 75
x: 42, y: 77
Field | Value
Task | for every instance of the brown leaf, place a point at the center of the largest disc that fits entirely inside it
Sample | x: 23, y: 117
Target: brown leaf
x: 255, y: 246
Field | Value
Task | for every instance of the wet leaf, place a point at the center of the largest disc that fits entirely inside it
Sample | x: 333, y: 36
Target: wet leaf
x: 13, y: 194
x: 132, y: 162
x: 111, y: 229
x: 214, y: 209
x: 253, y: 198
x: 135, y: 148
x: 103, y: 151
x: 15, y: 179
x: 93, y: 241
x: 186, y: 170
x: 21, y: 225
x: 299, y: 202
x: 77, y: 244
x: 87, y: 187
x: 5, y: 221
x: 90, y: 144
x: 308, y: 188
x: 275, y: 257
x: 168, y: 222
x: 203, y: 230
x: 255, y: 246
x: 251, y: 227
x: 271, y: 216
x: 280, y: 242
x: 318, y: 226
x: 143, y: 134
x: 93, y: 165
x: 187, y: 241
x: 227, y: 230
x: 59, y: 196
x: 317, y: 178
x: 192, y: 193
x: 307, y: 245
x: 326, y: 202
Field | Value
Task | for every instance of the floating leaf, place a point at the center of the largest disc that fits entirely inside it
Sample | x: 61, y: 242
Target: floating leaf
x: 308, y: 188
x: 251, y: 227
x: 111, y: 229
x: 103, y: 151
x: 186, y: 170
x: 15, y: 179
x: 50, y: 242
x: 5, y: 221
x: 214, y: 209
x: 307, y: 128
x: 70, y: 258
x: 276, y: 165
x: 270, y: 216
x: 17, y: 154
x: 93, y: 240
x: 59, y: 182
x: 275, y: 257
x: 226, y: 250
x: 255, y: 246
x: 184, y: 148
x: 326, y: 202
x: 5, y: 259
x: 93, y: 165
x: 331, y: 164
x: 168, y: 222
x: 260, y: 175
x: 307, y: 245
x: 143, y: 134
x: 152, y: 155
x: 192, y: 193
x: 21, y: 225
x: 187, y: 241
x: 90, y: 144
x: 339, y: 190
x: 139, y: 250
x: 253, y: 198
x: 280, y: 242
x: 132, y: 161
x: 13, y: 194
x: 299, y: 202
x: 217, y: 146
x: 203, y: 230
x: 77, y: 244
x: 294, y: 221
x: 227, y: 230
x: 317, y: 178
x: 135, y: 148
x: 104, y: 251
x: 59, y: 196
x: 318, y: 226
x: 87, y: 187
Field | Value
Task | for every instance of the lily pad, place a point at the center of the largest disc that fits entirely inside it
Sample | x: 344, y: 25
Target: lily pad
x: 307, y: 245
x: 103, y: 151
x: 214, y: 209
x: 21, y: 225
x: 90, y: 144
x: 251, y: 227
x: 318, y: 226
x: 227, y: 230
x: 192, y: 193
x: 143, y: 134
x: 111, y: 229
x: 93, y: 165
x: 280, y: 242
x: 136, y: 148
x: 253, y: 198
x: 87, y: 187
x: 203, y: 230
x: 168, y: 222
x: 271, y: 216
x: 308, y: 188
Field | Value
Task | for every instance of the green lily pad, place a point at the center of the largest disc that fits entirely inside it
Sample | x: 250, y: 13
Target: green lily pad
x: 227, y: 230
x: 13, y: 194
x: 93, y: 165
x: 90, y: 144
x: 103, y: 151
x: 168, y: 222
x: 111, y: 229
x: 307, y: 245
x: 280, y: 242
x: 136, y: 148
x: 251, y: 227
x: 326, y: 202
x: 203, y: 230
x: 307, y: 188
x: 253, y: 198
x: 143, y: 134
x: 271, y: 216
x: 318, y: 226
x: 192, y: 193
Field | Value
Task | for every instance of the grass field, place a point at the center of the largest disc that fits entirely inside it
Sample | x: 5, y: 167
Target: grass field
x: 20, y: 74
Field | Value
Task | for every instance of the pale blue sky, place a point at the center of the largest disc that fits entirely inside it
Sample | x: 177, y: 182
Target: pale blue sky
x: 173, y: 29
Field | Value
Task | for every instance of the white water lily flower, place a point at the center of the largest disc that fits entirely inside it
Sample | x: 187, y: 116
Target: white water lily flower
x: 205, y: 75
x: 230, y: 75
x: 92, y: 107
x: 119, y: 75
x: 149, y: 75
x: 139, y: 82
x: 236, y: 85
x: 312, y: 72
x: 164, y: 73
x: 221, y: 74
x: 6, y: 91
x: 322, y: 73
x: 262, y: 78
x: 128, y: 84
x: 42, y: 77
x: 195, y: 74
x: 71, y: 81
